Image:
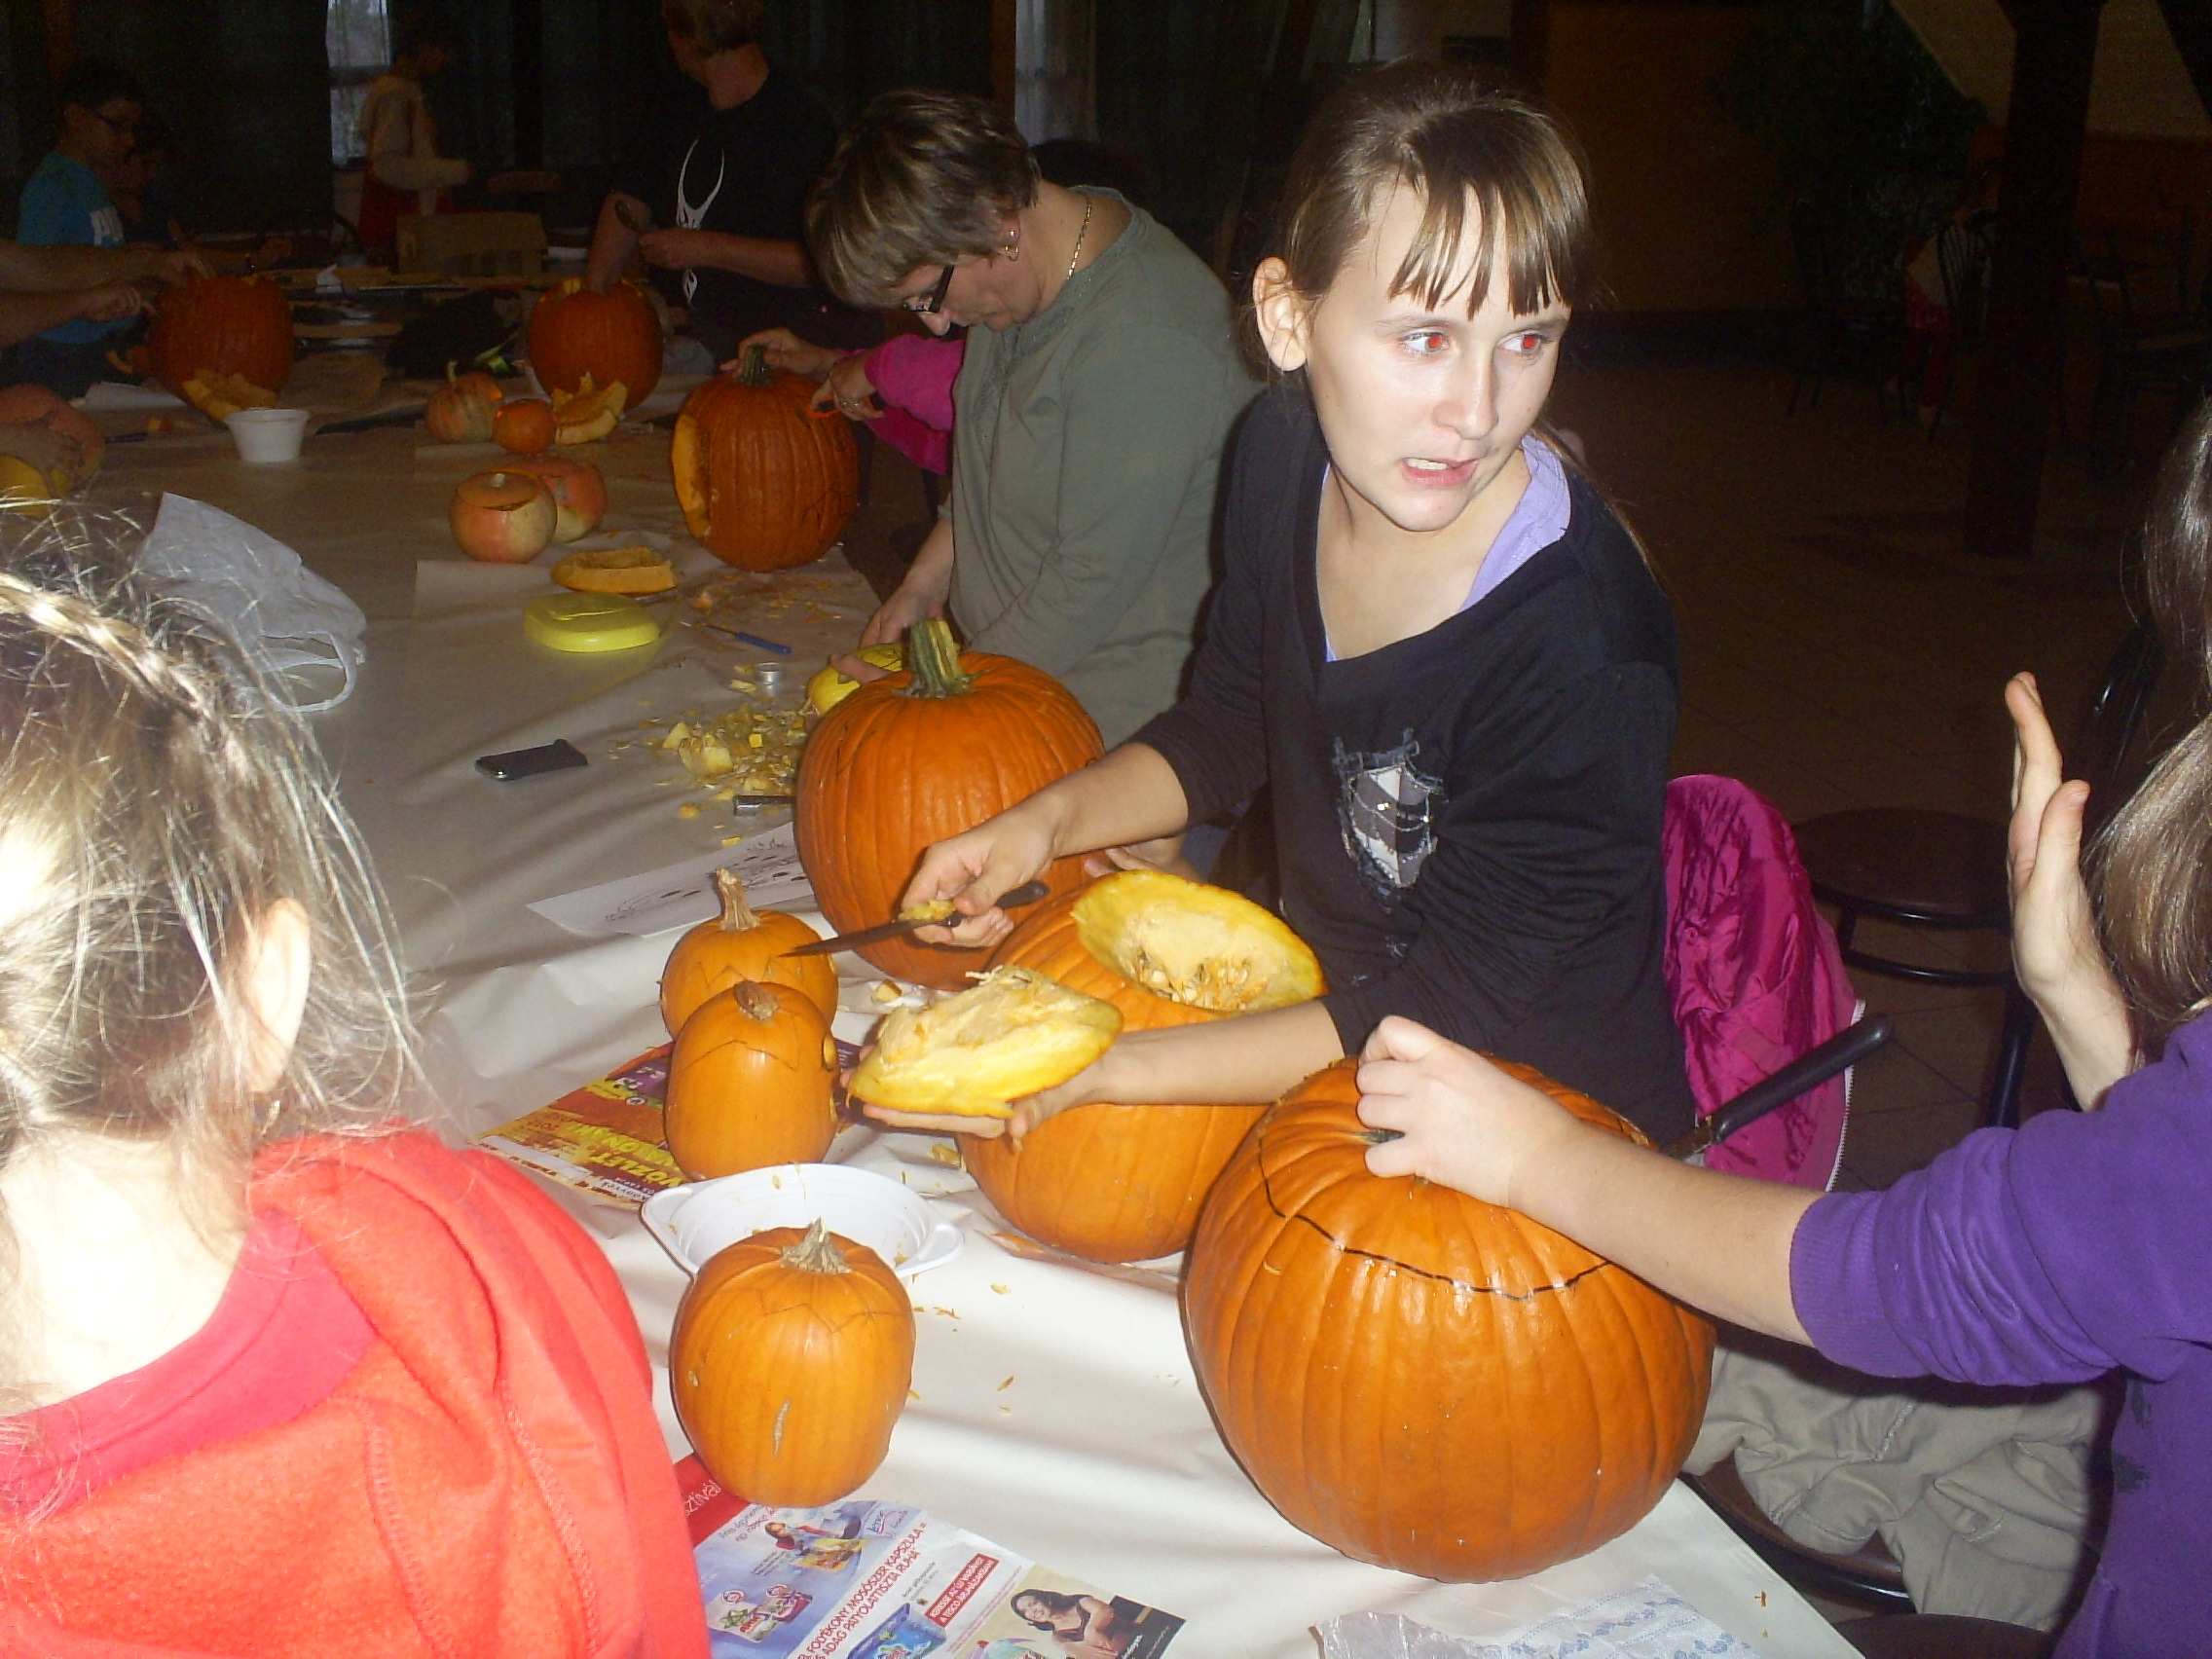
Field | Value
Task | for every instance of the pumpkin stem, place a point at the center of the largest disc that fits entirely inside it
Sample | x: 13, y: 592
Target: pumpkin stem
x: 817, y: 1252
x: 1381, y: 1137
x: 934, y: 657
x: 757, y: 1001
x: 737, y: 914
x: 753, y: 369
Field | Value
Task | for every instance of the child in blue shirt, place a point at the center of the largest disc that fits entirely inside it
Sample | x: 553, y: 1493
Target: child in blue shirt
x: 65, y: 203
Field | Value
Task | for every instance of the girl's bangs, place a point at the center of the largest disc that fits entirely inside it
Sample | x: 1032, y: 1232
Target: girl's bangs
x: 1541, y: 235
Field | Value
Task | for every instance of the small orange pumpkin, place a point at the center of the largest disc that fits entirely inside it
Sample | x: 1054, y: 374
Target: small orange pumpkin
x: 762, y: 484
x: 913, y: 757
x: 614, y: 336
x: 523, y: 424
x: 789, y: 1363
x: 460, y: 411
x: 742, y: 944
x: 1421, y: 1379
x: 749, y: 1083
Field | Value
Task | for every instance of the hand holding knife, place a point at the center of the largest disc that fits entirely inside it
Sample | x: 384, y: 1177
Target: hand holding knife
x: 1028, y: 893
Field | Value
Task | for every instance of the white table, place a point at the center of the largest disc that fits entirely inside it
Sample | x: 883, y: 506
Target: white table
x: 1098, y: 1457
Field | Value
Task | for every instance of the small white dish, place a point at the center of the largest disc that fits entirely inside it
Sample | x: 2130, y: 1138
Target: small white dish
x: 696, y: 1221
x: 266, y: 436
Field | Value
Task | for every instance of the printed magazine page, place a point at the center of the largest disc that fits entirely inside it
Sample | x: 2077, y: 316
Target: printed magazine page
x: 603, y: 1139
x: 872, y: 1580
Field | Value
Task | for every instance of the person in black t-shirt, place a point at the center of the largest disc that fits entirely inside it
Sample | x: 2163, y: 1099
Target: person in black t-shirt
x: 716, y: 198
x: 1437, y: 645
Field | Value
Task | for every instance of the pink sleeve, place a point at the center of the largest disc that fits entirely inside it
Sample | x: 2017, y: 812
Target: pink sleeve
x: 915, y: 372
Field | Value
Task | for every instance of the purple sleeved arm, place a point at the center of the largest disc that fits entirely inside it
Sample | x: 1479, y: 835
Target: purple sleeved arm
x: 2048, y: 1254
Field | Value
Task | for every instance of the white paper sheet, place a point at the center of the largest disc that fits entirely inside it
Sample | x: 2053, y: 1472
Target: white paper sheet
x: 683, y: 894
x: 111, y: 396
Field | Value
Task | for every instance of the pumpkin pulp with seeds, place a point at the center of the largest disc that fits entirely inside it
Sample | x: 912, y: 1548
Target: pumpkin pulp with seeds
x: 975, y: 1052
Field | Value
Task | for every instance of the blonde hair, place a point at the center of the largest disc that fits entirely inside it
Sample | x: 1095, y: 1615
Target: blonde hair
x: 2149, y: 869
x: 1440, y: 131
x: 920, y: 179
x: 155, y: 803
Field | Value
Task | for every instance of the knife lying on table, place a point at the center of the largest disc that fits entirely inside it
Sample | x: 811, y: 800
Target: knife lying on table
x: 1028, y: 893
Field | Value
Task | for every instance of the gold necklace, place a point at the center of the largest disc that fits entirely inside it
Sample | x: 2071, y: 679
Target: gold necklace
x: 1088, y: 202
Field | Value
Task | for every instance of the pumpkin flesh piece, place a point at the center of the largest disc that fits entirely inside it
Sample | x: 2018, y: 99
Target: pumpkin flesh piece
x: 976, y: 1051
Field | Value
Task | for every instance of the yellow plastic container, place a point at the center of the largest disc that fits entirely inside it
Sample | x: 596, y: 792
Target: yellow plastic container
x: 589, y: 622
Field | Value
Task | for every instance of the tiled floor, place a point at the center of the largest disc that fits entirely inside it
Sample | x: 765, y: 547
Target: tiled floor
x: 1838, y: 649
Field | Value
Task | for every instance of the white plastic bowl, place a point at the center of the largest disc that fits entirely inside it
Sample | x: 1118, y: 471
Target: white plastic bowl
x: 693, y: 1222
x: 267, y: 436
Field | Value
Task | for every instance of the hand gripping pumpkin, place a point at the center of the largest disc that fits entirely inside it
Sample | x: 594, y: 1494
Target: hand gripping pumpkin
x: 762, y: 484
x: 790, y: 1364
x: 1421, y: 1379
x: 742, y: 944
x: 222, y: 325
x: 914, y: 757
x: 1125, y: 1183
x: 749, y: 1083
x: 48, y: 448
x: 614, y: 336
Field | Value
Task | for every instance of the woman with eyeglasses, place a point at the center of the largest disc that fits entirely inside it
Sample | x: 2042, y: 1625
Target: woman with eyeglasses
x: 1101, y: 382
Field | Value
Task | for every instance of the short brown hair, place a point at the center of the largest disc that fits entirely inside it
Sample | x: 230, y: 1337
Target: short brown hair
x: 1440, y: 130
x: 715, y: 25
x: 919, y: 178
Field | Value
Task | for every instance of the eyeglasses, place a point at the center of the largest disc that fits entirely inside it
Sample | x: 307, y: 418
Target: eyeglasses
x: 933, y: 302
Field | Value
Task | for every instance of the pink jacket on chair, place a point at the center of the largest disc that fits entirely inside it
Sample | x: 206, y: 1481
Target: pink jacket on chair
x: 1754, y: 973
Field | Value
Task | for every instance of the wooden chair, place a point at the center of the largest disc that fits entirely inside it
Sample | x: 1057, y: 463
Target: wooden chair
x: 1838, y: 332
x: 1945, y: 871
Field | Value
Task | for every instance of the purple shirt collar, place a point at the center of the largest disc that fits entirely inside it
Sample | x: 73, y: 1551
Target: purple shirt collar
x: 1537, y: 520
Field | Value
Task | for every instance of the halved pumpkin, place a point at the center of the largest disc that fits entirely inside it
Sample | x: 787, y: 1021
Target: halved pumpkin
x: 975, y: 1052
x: 589, y: 413
x: 616, y: 570
x: 1125, y: 1182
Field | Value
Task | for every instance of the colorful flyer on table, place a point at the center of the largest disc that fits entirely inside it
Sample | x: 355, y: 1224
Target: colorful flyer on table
x: 603, y: 1139
x: 872, y: 1580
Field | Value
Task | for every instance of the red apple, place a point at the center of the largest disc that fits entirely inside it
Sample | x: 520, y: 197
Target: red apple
x: 503, y: 518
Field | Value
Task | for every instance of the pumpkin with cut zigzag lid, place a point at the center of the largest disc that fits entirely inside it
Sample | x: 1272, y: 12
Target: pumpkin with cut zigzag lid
x: 763, y: 484
x: 1422, y: 1380
x: 1124, y: 1182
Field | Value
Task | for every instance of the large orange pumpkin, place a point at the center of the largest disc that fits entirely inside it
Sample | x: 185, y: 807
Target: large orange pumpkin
x: 614, y: 336
x: 913, y: 757
x: 224, y: 325
x: 1421, y: 1379
x: 1124, y: 1183
x: 742, y: 944
x: 750, y: 1083
x: 762, y: 484
x: 789, y: 1363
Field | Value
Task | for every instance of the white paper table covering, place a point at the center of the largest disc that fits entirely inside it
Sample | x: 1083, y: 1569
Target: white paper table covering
x: 1102, y: 1460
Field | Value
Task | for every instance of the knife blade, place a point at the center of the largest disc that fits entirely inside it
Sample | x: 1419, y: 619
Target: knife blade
x: 1028, y: 893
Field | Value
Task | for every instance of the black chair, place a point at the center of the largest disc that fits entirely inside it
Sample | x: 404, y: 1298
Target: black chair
x: 1837, y: 331
x: 1947, y: 870
x: 2148, y: 337
x: 1943, y: 1636
x: 1962, y: 258
x: 1867, y: 1577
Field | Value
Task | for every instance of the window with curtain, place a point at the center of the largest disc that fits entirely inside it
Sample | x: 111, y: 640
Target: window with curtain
x: 358, y: 35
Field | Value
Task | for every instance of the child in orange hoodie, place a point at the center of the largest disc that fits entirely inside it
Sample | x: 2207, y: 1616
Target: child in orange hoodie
x: 277, y: 1373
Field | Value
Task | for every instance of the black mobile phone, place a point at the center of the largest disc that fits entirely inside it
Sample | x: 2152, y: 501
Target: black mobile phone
x: 555, y: 757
